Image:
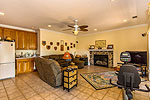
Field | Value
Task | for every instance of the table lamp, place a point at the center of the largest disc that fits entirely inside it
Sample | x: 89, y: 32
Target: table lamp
x: 67, y: 57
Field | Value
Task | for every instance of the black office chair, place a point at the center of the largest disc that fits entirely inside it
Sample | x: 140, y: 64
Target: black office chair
x: 128, y: 78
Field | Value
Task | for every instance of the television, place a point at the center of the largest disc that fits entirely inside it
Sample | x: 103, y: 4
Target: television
x: 138, y: 57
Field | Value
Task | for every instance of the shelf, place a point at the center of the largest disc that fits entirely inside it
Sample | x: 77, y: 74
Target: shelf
x: 100, y: 49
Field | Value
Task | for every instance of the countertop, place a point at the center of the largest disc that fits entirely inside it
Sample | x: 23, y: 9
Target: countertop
x: 25, y: 57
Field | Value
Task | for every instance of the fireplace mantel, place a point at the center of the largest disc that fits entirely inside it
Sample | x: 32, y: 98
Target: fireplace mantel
x: 100, y: 49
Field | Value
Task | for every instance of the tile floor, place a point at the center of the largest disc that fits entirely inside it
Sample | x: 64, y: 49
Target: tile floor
x: 31, y: 87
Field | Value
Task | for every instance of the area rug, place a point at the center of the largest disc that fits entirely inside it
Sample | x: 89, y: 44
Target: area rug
x: 100, y: 80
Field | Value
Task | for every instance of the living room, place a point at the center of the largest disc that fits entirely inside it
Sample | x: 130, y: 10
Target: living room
x: 86, y: 39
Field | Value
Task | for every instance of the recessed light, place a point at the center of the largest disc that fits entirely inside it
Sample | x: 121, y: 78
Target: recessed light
x: 32, y: 27
x: 95, y: 29
x: 49, y: 25
x: 112, y: 0
x: 125, y: 20
x: 1, y: 13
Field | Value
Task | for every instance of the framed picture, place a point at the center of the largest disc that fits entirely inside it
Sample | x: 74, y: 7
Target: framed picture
x: 110, y: 46
x: 100, y: 44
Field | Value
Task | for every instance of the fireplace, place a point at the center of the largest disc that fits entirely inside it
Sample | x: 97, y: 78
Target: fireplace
x: 101, y: 60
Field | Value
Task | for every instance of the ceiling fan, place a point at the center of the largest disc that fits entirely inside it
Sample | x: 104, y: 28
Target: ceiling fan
x: 76, y: 28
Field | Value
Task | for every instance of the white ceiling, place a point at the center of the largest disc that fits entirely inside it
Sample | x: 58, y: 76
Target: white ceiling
x: 100, y: 14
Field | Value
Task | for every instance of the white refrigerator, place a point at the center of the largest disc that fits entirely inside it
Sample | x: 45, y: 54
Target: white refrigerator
x: 7, y: 60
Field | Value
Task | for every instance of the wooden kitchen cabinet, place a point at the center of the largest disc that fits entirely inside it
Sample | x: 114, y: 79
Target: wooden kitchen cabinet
x: 24, y: 65
x: 26, y: 40
x: 23, y: 40
x: 1, y: 33
x: 32, y: 41
x: 9, y: 33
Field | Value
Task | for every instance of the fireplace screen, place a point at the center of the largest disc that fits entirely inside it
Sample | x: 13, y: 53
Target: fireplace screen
x: 101, y: 60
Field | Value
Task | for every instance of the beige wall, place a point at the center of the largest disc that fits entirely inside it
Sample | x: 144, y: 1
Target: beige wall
x: 52, y: 36
x: 128, y: 39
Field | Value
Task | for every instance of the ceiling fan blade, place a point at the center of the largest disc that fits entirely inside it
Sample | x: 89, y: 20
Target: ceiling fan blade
x: 71, y: 26
x: 83, y: 26
x: 67, y: 29
x: 83, y: 29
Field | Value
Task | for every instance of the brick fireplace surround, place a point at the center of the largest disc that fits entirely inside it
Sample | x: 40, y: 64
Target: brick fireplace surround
x: 108, y: 52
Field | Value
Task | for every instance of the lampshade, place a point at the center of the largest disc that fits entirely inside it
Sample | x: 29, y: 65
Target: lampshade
x: 67, y: 55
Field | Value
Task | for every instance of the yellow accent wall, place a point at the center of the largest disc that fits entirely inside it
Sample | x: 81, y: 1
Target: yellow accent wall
x: 129, y: 39
x: 53, y: 36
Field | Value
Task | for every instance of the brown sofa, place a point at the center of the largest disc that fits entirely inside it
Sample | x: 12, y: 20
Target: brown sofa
x: 49, y: 71
x: 63, y: 63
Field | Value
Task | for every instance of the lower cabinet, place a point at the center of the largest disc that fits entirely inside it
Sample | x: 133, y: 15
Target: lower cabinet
x: 24, y: 65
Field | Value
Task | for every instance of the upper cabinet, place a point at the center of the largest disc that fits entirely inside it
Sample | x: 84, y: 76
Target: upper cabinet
x: 26, y: 40
x: 9, y: 33
x: 23, y: 40
x: 32, y: 41
x: 1, y: 32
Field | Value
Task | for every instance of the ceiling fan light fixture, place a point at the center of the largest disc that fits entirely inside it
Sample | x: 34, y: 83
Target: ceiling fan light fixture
x: 75, y: 33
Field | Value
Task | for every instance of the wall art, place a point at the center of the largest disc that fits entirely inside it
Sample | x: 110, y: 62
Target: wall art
x: 61, y: 47
x: 55, y: 48
x: 67, y: 47
x: 51, y: 43
x: 57, y: 43
x: 43, y: 43
x: 65, y: 43
x: 48, y: 47
x: 74, y: 45
x: 100, y: 44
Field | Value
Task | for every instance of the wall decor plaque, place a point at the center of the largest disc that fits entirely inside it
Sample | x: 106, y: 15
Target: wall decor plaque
x: 65, y: 43
x: 43, y: 43
x: 61, y: 47
x: 48, y: 47
x: 74, y: 45
x: 51, y: 43
x: 62, y: 42
x: 67, y: 47
x: 55, y: 48
x: 100, y: 44
x: 57, y: 43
